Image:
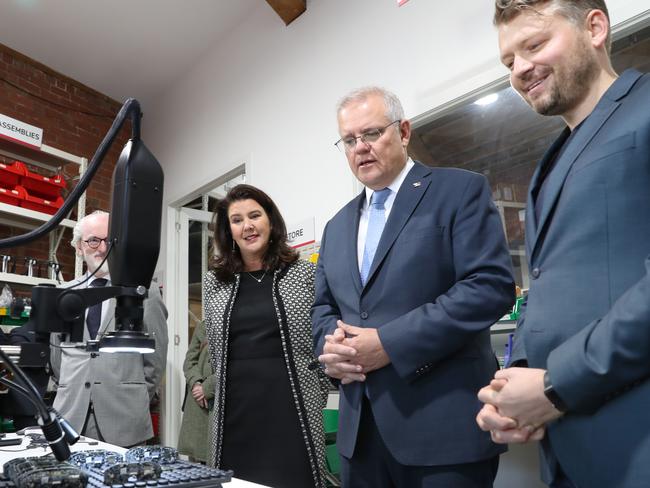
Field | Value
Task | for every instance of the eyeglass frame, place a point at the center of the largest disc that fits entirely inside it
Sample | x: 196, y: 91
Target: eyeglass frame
x: 381, y: 131
x: 99, y: 241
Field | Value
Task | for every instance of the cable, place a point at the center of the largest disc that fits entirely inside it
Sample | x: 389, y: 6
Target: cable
x: 131, y: 108
x: 76, y: 285
x: 30, y: 388
x: 57, y: 431
x: 18, y: 389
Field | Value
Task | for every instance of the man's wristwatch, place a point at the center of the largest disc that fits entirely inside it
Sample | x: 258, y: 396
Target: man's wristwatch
x: 552, y: 395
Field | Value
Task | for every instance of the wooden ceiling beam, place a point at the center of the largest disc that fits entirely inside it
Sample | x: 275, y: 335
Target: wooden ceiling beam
x: 288, y: 10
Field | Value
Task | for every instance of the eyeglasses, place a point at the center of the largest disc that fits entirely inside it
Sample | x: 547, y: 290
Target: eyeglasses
x: 348, y: 144
x: 94, y: 242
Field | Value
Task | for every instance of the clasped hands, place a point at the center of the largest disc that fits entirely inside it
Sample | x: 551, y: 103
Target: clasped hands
x: 351, y: 352
x: 516, y: 409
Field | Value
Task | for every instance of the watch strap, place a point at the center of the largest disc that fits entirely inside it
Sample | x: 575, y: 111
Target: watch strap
x: 552, y: 395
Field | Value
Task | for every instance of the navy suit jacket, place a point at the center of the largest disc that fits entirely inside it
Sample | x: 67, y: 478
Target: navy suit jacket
x: 587, y: 316
x: 440, y: 277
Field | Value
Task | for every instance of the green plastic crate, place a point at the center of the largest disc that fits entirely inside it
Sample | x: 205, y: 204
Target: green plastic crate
x: 330, y: 424
x: 333, y: 460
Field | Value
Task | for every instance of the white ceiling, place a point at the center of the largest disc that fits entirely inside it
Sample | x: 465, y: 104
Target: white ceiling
x: 122, y: 48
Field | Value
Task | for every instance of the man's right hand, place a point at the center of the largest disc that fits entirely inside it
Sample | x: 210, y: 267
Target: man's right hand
x: 338, y: 359
x: 199, y: 396
x: 503, y: 430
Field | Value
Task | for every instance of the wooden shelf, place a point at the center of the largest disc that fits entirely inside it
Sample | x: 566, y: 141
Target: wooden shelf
x: 509, y: 204
x: 26, y: 218
x: 504, y: 327
x: 25, y: 280
x: 45, y: 157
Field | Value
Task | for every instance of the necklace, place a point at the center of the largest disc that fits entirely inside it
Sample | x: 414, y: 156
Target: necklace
x: 259, y: 280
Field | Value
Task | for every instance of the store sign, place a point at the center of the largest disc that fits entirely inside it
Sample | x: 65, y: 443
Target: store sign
x: 301, y: 234
x: 20, y: 132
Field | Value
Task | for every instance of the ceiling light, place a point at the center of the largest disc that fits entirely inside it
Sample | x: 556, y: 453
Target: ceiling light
x: 487, y: 100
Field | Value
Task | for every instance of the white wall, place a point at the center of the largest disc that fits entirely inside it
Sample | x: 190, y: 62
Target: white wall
x: 266, y: 95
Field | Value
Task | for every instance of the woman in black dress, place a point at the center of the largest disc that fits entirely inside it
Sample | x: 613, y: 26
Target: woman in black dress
x: 267, y: 416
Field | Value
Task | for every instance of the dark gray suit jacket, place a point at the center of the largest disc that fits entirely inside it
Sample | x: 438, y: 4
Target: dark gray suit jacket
x: 587, y: 316
x: 441, y: 276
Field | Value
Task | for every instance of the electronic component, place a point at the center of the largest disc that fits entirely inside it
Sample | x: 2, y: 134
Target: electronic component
x: 44, y: 471
x: 151, y: 466
x: 95, y: 459
x: 131, y: 472
x: 159, y: 454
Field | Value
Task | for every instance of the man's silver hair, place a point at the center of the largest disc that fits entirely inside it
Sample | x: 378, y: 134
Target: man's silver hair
x: 77, y: 232
x: 394, y: 110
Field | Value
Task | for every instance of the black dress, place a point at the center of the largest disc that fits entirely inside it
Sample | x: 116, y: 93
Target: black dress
x: 262, y: 441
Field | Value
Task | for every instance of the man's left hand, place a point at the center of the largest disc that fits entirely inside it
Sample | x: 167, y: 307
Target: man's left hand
x: 521, y: 398
x: 370, y: 352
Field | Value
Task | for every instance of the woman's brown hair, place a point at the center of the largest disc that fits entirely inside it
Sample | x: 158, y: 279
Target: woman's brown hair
x: 227, y: 260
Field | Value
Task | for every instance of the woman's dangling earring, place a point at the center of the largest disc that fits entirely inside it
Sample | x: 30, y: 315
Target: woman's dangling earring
x: 233, y: 246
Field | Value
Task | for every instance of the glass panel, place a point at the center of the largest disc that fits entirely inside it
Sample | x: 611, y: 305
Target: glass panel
x: 200, y: 246
x: 499, y: 136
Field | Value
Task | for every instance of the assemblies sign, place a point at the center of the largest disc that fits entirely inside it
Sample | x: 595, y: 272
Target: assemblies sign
x: 20, y: 132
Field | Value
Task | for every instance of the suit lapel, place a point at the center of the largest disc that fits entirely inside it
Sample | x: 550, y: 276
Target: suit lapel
x: 531, y: 223
x: 557, y: 177
x: 352, y: 223
x: 608, y: 103
x: 108, y: 319
x: 409, y: 195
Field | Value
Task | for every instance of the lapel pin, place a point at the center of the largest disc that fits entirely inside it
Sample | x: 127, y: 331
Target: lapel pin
x: 416, y: 184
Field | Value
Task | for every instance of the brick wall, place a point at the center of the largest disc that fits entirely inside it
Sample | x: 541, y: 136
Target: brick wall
x: 74, y: 118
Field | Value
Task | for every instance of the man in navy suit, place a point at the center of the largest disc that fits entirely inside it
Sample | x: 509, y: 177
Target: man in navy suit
x: 585, y: 330
x: 411, y: 274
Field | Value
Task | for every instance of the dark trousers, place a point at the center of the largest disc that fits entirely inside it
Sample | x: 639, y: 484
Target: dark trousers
x: 561, y: 480
x: 373, y: 466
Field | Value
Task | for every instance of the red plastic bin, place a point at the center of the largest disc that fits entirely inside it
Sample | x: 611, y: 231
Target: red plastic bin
x: 12, y: 196
x: 42, y: 186
x: 41, y: 204
x: 10, y: 174
x: 155, y: 423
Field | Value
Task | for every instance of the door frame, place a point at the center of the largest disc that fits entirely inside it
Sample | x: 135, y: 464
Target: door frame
x: 177, y: 300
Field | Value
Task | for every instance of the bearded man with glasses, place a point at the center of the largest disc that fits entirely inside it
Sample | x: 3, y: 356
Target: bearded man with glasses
x: 106, y: 396
x: 412, y: 273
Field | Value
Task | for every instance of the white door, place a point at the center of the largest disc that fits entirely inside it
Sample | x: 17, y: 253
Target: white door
x: 180, y: 295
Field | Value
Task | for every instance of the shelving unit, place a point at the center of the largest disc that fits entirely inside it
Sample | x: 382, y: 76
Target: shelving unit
x: 25, y: 280
x: 52, y: 159
x: 515, y: 243
x: 26, y: 218
x: 503, y: 327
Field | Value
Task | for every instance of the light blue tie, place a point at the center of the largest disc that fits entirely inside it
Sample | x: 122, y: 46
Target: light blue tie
x: 376, y: 222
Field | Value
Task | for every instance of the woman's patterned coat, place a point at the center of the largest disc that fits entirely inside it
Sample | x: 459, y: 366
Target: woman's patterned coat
x: 293, y: 294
